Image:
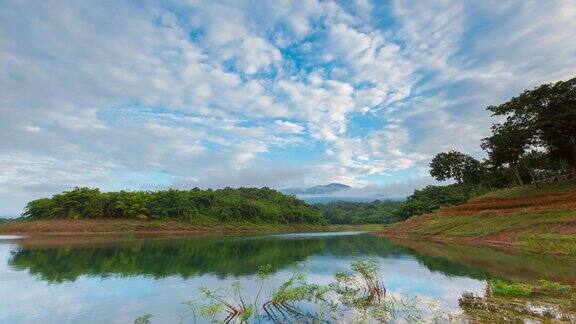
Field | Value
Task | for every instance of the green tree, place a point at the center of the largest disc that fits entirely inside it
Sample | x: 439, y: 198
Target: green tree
x: 39, y: 208
x: 548, y: 114
x: 464, y: 169
x: 507, y: 145
x: 225, y: 205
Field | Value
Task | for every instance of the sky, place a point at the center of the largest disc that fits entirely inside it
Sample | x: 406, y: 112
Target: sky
x: 143, y: 95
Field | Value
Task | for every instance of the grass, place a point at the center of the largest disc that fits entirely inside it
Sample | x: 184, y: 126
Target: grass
x: 544, y: 221
x: 359, y: 296
x: 358, y: 227
x: 355, y: 296
x: 555, y: 287
x: 66, y: 226
x: 550, y: 243
x: 88, y: 226
x: 486, y: 224
x: 509, y: 289
x: 543, y: 287
x: 544, y: 189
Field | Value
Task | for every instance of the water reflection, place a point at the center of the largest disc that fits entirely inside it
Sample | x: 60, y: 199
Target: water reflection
x: 74, y: 280
x: 238, y: 256
x: 220, y: 256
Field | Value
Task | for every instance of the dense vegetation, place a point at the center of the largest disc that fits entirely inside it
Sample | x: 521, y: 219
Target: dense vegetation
x: 431, y: 198
x: 242, y: 205
x: 536, y: 141
x: 376, y: 212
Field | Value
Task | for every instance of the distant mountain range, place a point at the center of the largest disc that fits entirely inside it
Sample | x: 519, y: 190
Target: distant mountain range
x: 323, y: 194
x: 316, y: 190
x: 325, y: 200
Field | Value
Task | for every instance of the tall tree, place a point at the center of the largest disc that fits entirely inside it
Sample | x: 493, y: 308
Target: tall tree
x: 464, y: 169
x: 507, y: 145
x: 548, y: 114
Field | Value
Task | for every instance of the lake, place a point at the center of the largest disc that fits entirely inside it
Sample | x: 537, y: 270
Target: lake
x: 116, y: 279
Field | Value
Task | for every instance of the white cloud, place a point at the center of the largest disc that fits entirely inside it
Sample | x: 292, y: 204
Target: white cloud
x: 283, y: 126
x: 209, y: 91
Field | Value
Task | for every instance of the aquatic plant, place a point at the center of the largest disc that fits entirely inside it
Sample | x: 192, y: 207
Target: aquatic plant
x: 144, y: 319
x: 359, y: 296
x: 502, y: 288
x: 355, y: 296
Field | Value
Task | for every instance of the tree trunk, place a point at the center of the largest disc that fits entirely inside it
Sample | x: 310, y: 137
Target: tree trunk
x: 571, y: 159
x: 573, y: 167
x: 532, y: 177
x: 464, y: 188
x: 517, y: 174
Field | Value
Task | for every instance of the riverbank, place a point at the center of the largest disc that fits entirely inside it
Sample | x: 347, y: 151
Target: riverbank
x: 136, y: 226
x: 543, y: 220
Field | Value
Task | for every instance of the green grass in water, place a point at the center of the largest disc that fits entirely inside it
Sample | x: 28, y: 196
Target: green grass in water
x: 509, y: 289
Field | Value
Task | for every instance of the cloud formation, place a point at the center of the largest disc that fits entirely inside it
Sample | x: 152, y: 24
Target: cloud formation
x: 285, y: 93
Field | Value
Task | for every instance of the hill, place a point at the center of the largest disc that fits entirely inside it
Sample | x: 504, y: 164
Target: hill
x: 327, y: 200
x: 251, y: 205
x: 375, y: 212
x: 316, y: 190
x: 542, y: 220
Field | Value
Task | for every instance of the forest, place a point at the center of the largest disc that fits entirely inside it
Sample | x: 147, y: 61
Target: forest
x: 241, y: 205
x: 376, y: 212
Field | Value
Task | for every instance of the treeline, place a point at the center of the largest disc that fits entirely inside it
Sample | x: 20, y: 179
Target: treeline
x: 422, y: 201
x: 535, y: 140
x: 431, y: 198
x: 376, y: 212
x: 243, y: 205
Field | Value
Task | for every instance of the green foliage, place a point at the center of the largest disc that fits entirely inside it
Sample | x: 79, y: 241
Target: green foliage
x: 250, y: 205
x: 503, y: 288
x: 376, y: 212
x: 509, y: 289
x: 507, y: 145
x: 548, y: 115
x: 360, y: 288
x: 144, y: 319
x: 431, y: 198
x: 357, y: 296
x: 552, y: 286
x: 458, y: 166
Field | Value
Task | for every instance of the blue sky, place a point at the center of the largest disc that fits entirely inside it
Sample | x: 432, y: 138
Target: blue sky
x: 156, y: 94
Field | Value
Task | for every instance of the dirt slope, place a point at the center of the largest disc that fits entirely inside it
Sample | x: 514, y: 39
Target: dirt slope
x: 544, y: 220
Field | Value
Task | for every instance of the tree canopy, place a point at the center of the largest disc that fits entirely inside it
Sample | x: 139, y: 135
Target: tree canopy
x: 547, y: 116
x: 463, y: 168
x: 243, y: 204
x: 376, y: 212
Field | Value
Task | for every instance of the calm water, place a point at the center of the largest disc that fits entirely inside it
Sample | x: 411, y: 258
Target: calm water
x: 97, y: 281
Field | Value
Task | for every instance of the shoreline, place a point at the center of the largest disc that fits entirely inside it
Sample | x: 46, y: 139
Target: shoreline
x: 456, y: 240
x: 143, y: 227
x: 506, y: 243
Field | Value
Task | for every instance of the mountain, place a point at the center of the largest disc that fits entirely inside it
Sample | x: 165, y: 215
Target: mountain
x: 316, y: 190
x: 326, y: 200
